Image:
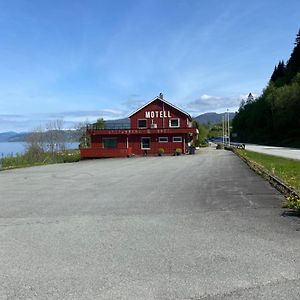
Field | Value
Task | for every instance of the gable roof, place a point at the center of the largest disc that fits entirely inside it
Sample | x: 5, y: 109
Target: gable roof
x: 163, y: 100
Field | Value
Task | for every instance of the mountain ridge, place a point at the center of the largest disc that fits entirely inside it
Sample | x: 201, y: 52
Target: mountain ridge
x: 213, y: 117
x: 206, y: 118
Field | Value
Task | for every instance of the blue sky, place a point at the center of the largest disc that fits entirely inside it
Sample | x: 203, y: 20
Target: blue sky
x: 78, y: 60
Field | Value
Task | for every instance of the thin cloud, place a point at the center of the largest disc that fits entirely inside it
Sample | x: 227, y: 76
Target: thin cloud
x: 11, y: 116
x: 15, y: 122
x: 133, y: 104
x: 209, y: 103
x: 113, y: 113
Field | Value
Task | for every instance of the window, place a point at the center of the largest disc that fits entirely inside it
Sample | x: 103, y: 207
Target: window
x: 177, y: 139
x: 109, y: 143
x: 163, y: 139
x: 142, y: 123
x: 145, y: 143
x: 174, y: 123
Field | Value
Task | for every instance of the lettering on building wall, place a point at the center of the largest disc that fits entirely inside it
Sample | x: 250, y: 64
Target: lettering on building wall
x: 157, y: 114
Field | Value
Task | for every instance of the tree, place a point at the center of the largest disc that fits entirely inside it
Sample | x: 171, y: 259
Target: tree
x: 297, y: 41
x: 250, y: 99
x: 84, y: 137
x: 242, y: 104
x: 274, y: 75
x: 54, y: 136
x: 273, y: 118
x: 279, y: 73
x: 34, y: 147
x: 202, y: 135
x: 293, y: 64
x: 100, y: 123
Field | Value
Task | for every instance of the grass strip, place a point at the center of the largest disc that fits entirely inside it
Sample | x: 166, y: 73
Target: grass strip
x: 288, y: 170
x: 43, y: 158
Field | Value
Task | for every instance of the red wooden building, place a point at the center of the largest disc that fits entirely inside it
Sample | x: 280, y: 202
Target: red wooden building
x: 156, y: 125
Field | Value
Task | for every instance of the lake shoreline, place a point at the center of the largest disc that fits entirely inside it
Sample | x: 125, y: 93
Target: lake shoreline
x: 18, y: 148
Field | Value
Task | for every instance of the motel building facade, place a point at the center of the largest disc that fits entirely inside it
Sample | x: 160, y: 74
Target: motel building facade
x: 155, y: 126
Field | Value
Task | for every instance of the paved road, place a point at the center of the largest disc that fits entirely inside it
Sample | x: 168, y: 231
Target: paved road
x: 277, y: 151
x: 188, y: 227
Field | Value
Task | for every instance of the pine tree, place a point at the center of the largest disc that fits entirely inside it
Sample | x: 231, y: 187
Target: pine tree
x: 297, y: 42
x: 274, y: 116
x: 274, y: 75
x: 293, y: 64
x: 250, y: 99
x: 279, y: 73
x: 281, y: 69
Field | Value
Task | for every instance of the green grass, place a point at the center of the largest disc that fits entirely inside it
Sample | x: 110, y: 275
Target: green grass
x: 43, y: 158
x: 288, y: 170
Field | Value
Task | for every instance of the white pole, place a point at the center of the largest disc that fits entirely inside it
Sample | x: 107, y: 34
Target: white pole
x: 228, y: 128
x: 163, y: 120
x: 223, y: 130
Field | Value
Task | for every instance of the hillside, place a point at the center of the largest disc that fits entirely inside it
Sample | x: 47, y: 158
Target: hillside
x: 5, y: 136
x: 69, y: 136
x: 74, y: 135
x: 212, y: 118
x: 273, y: 118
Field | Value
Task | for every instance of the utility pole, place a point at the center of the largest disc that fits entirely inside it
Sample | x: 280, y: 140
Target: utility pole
x: 228, y: 128
x: 223, y: 128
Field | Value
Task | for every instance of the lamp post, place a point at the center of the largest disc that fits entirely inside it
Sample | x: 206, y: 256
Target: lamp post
x: 228, y: 128
x: 223, y: 129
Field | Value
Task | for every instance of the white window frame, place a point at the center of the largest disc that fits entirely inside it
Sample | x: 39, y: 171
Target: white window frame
x: 177, y: 137
x: 163, y: 139
x: 170, y: 121
x: 139, y: 122
x: 145, y: 137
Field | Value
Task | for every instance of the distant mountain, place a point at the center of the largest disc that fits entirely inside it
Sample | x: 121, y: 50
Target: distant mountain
x: 74, y: 135
x: 9, y: 136
x: 213, y: 118
x: 69, y: 136
x: 18, y: 137
x: 111, y: 124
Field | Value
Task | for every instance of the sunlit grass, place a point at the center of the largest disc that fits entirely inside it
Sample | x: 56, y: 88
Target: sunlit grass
x: 44, y: 158
x: 287, y: 170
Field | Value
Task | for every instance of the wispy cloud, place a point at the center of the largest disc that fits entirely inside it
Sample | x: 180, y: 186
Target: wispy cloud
x: 209, y: 103
x: 71, y: 119
x: 78, y: 62
x: 133, y: 103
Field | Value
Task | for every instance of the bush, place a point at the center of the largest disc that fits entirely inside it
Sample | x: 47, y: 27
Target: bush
x: 178, y: 151
x: 293, y: 202
x: 69, y: 156
x: 34, y: 157
x: 161, y: 151
x: 33, y: 154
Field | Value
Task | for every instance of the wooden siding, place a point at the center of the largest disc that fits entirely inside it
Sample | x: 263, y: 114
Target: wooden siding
x: 161, y: 122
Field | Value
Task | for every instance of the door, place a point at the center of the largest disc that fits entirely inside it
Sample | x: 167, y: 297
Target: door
x: 145, y: 143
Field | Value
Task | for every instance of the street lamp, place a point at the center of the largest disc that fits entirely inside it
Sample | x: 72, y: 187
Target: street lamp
x: 228, y: 128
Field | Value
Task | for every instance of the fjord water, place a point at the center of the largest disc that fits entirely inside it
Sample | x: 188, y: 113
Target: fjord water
x: 12, y: 148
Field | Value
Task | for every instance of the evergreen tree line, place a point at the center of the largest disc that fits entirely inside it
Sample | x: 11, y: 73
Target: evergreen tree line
x: 274, y: 117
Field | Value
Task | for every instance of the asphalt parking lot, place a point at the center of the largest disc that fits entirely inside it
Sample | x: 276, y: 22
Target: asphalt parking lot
x: 190, y: 227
